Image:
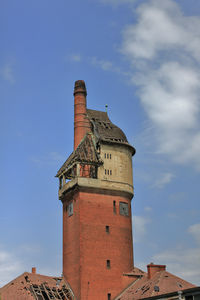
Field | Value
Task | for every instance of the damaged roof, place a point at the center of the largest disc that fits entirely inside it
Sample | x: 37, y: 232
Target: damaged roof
x: 86, y: 152
x: 161, y: 283
x: 29, y: 286
x: 104, y: 128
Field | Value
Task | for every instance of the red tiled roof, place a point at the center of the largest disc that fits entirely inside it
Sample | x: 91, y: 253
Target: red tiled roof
x: 136, y: 272
x: 161, y: 283
x: 29, y: 286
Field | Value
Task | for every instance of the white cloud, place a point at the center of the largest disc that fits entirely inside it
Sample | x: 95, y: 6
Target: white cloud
x: 76, y: 57
x: 161, y: 27
x: 148, y: 208
x: 10, y: 267
x: 194, y: 230
x: 163, y: 180
x: 183, y: 261
x: 163, y: 46
x: 7, y: 73
x: 107, y: 65
x: 140, y: 225
x: 103, y: 64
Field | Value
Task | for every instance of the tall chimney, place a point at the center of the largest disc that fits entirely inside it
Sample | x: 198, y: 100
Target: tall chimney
x: 33, y: 270
x: 81, y: 123
x: 152, y: 269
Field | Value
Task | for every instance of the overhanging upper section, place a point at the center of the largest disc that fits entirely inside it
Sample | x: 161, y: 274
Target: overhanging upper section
x: 86, y: 154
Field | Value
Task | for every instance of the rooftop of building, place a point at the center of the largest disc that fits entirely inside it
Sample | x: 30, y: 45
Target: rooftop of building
x: 31, y: 286
x: 160, y: 283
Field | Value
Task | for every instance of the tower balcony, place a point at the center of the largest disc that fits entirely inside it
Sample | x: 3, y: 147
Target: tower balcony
x: 98, y: 184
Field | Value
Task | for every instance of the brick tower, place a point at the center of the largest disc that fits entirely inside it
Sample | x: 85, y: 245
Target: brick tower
x: 96, y: 188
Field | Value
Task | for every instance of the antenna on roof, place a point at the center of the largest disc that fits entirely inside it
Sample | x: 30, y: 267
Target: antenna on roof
x: 106, y: 106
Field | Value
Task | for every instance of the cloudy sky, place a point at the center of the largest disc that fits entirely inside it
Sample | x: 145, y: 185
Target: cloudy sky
x: 142, y: 58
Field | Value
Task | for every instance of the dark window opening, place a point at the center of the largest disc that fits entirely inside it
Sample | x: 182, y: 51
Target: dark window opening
x: 93, y: 172
x: 110, y: 172
x: 107, y: 228
x: 108, y: 264
x: 109, y: 296
x: 44, y: 294
x: 70, y: 209
x: 156, y: 288
x: 123, y: 209
x: 105, y: 171
x: 60, y: 182
x: 105, y: 155
x: 110, y: 156
x: 114, y: 207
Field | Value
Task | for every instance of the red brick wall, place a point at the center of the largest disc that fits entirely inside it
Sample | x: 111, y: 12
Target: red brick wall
x: 87, y: 246
x: 71, y: 246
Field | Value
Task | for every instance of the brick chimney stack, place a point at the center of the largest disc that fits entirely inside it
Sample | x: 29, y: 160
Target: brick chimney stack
x: 81, y: 123
x: 33, y: 270
x: 152, y: 269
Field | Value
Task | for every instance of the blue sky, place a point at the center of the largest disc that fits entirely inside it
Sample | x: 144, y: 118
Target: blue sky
x: 142, y: 58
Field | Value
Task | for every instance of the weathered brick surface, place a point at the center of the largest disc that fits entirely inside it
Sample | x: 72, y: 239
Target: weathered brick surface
x: 87, y: 246
x: 81, y: 122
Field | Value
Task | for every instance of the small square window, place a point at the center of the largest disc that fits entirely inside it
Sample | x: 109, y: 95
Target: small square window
x: 123, y: 209
x: 107, y: 228
x: 70, y: 209
x: 108, y: 264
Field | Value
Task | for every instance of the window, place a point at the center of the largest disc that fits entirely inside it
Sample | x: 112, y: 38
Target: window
x: 156, y: 288
x: 60, y: 182
x: 107, y: 228
x: 108, y: 264
x: 108, y: 172
x: 114, y: 207
x: 123, y: 209
x: 70, y: 209
x: 107, y: 155
x: 109, y: 296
